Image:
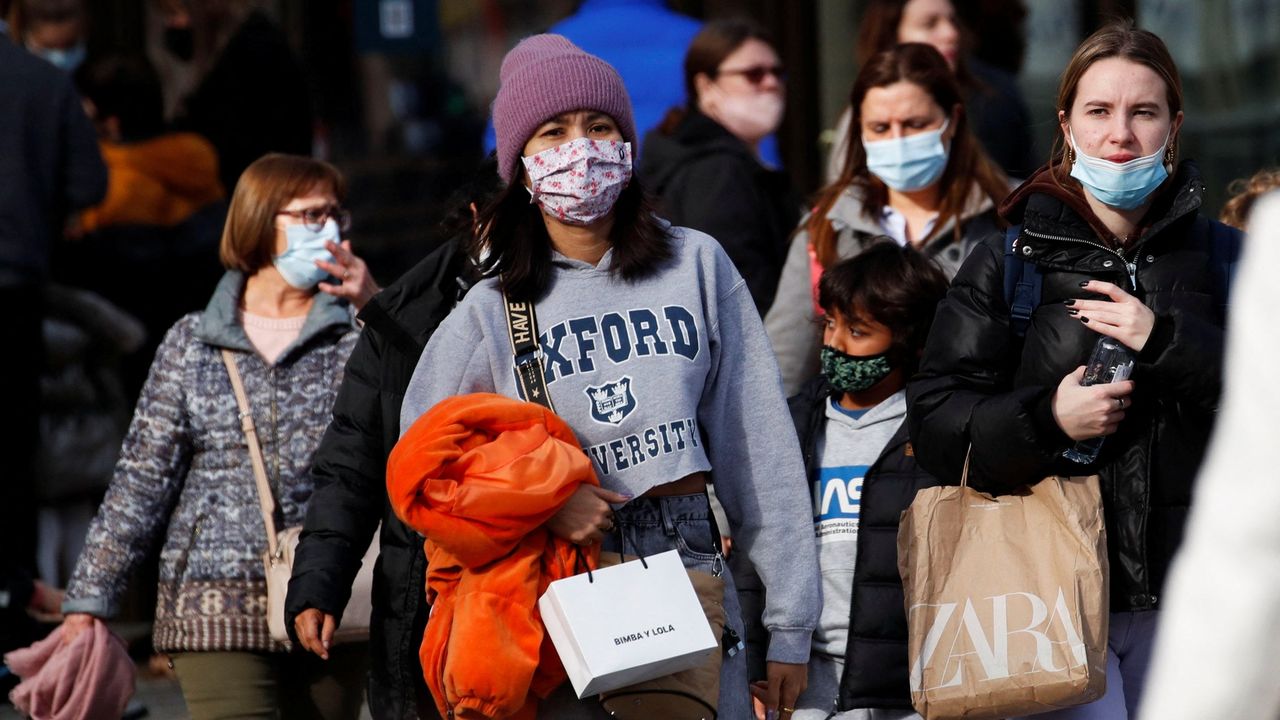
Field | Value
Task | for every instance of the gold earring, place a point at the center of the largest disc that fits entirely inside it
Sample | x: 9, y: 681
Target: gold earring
x: 1071, y: 155
x: 1168, y: 155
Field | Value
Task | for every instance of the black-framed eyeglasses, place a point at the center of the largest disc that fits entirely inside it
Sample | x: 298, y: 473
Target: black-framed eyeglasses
x: 756, y: 73
x: 315, y: 218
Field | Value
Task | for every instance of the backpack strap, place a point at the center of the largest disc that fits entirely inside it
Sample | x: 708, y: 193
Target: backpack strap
x: 1022, y: 283
x: 1225, y: 243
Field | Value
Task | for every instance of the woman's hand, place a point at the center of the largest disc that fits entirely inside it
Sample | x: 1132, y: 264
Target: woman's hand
x: 357, y: 286
x: 1123, y: 317
x: 315, y: 631
x: 74, y: 624
x: 778, y: 695
x: 1089, y: 412
x: 586, y: 516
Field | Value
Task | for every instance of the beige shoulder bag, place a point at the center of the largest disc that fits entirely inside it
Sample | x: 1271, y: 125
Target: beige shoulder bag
x: 278, y: 559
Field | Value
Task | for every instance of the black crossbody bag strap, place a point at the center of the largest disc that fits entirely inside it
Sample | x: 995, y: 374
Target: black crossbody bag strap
x: 522, y: 328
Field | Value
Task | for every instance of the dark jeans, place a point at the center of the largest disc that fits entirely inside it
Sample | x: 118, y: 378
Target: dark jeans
x: 21, y: 360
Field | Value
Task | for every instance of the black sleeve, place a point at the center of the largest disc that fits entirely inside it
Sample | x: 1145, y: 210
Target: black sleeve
x: 964, y: 392
x: 83, y: 173
x: 350, y: 490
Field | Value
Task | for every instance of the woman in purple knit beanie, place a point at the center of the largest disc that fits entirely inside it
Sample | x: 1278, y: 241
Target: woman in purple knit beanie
x: 652, y: 352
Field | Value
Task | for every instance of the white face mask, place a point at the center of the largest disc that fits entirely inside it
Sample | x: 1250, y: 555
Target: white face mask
x: 578, y: 182
x: 749, y: 117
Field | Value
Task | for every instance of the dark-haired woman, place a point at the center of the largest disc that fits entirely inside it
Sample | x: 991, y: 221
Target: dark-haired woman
x: 914, y: 172
x: 1114, y: 229
x: 703, y: 161
x: 652, y: 350
x: 998, y: 115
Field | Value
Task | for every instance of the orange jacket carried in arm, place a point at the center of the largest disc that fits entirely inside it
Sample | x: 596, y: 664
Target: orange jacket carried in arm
x: 479, y: 475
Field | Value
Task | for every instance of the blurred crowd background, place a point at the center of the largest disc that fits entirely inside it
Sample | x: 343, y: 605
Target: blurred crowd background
x: 400, y: 89
x: 396, y: 93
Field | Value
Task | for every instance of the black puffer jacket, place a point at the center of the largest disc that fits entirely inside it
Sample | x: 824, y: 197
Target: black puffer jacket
x: 351, y: 493
x: 875, y: 659
x: 709, y: 180
x: 978, y: 384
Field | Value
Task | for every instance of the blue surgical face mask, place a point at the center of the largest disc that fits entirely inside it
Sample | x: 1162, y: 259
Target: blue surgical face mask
x: 65, y: 60
x: 297, y: 264
x: 909, y: 163
x: 1123, y: 185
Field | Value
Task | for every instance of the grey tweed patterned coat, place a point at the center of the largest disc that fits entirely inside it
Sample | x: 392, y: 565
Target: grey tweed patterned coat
x: 184, y: 477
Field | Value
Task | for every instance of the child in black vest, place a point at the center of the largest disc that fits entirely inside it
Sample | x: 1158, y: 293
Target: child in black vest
x: 877, y: 309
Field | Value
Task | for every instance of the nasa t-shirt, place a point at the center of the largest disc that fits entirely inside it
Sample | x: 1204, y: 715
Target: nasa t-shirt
x: 849, y: 444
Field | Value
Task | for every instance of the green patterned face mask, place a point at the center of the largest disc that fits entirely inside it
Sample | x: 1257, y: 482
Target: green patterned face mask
x: 854, y: 373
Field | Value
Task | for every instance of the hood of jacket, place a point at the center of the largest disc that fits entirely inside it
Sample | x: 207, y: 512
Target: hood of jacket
x: 1061, y: 209
x: 220, y: 324
x: 847, y: 213
x: 695, y: 137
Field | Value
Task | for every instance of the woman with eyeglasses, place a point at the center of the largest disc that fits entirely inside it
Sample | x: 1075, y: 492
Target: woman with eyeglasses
x: 184, y: 480
x: 703, y: 161
x: 913, y: 173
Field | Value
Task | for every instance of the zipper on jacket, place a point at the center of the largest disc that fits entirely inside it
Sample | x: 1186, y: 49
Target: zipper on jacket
x: 1130, y: 267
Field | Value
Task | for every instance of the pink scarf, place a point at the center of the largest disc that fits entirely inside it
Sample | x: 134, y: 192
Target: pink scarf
x: 91, y: 677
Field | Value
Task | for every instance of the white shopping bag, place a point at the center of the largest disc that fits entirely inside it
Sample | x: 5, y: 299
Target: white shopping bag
x: 627, y: 623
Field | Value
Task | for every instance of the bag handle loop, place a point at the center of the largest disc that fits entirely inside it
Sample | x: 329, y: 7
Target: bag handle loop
x: 622, y: 546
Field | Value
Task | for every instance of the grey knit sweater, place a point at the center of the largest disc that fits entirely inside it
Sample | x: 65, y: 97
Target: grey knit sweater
x: 184, y: 477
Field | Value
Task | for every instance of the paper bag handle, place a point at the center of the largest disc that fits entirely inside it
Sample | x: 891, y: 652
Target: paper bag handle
x: 964, y: 474
x: 622, y: 554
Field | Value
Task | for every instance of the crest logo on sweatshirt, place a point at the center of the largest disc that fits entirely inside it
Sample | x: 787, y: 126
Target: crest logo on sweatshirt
x: 612, y: 402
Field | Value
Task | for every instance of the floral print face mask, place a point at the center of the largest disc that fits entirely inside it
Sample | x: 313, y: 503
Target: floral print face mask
x: 578, y: 182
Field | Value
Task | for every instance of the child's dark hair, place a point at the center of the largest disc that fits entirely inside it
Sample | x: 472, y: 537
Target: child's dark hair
x: 898, y: 287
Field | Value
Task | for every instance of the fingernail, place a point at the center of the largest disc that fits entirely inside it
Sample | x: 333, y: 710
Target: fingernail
x: 1085, y: 283
x: 1073, y: 313
x: 1069, y: 303
x: 1084, y: 319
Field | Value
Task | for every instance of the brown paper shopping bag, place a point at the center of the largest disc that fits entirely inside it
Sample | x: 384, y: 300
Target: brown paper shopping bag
x: 1006, y: 598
